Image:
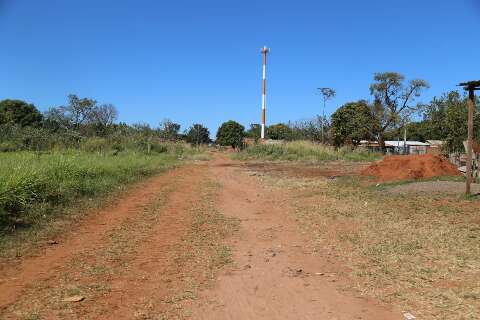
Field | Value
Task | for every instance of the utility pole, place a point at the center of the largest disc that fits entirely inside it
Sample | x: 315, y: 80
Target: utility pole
x: 470, y: 86
x: 264, y: 51
x: 327, y: 94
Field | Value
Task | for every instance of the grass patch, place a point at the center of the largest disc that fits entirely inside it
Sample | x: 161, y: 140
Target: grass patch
x: 303, y: 151
x: 40, y: 190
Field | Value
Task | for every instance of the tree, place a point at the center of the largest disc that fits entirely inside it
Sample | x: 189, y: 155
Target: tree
x: 169, y: 130
x: 352, y: 123
x: 103, y: 115
x: 327, y: 93
x: 18, y: 112
x: 83, y: 115
x: 254, y: 132
x: 310, y: 129
x: 78, y: 111
x: 54, y: 119
x: 394, y: 100
x: 197, y: 135
x: 279, y: 131
x: 416, y: 131
x: 455, y: 122
x: 231, y: 133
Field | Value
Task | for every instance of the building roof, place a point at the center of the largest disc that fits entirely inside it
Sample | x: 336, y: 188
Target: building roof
x: 436, y: 142
x: 408, y: 143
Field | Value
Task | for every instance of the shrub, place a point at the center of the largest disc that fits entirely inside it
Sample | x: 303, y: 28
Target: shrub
x: 304, y: 151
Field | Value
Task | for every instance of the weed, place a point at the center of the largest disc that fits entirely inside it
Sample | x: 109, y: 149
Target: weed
x: 303, y: 151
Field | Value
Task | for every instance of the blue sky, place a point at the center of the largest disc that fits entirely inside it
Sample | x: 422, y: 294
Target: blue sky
x: 199, y: 61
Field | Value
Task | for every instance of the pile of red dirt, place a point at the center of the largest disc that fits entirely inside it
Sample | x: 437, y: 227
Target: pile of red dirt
x: 411, y: 167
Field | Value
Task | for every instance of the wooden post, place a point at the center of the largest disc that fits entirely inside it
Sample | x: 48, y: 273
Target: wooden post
x: 471, y: 110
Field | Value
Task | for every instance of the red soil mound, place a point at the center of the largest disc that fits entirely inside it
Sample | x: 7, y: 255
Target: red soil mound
x: 411, y: 167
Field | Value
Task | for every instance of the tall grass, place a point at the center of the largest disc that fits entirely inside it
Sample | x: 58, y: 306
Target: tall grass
x: 33, y: 184
x: 304, y: 151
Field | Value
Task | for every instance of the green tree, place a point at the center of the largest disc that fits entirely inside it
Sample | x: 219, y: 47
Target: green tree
x: 445, y: 118
x: 279, y: 131
x: 353, y: 122
x: 455, y: 122
x: 231, y: 133
x: 394, y: 100
x: 197, y: 135
x: 416, y: 131
x: 18, y: 112
x: 254, y: 132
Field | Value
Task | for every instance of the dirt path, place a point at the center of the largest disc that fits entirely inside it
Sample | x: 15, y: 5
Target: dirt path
x: 158, y: 254
x: 276, y: 274
x: 90, y: 235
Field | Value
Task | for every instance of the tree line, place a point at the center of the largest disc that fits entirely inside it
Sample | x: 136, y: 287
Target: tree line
x: 24, y: 127
x: 394, y: 109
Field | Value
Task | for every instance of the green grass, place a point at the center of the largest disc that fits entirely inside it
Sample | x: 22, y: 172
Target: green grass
x: 303, y: 151
x: 35, y: 187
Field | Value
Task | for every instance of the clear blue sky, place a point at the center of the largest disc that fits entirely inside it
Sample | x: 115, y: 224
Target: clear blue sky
x: 199, y: 61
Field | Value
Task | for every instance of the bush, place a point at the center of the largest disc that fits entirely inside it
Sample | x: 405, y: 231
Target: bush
x: 279, y: 131
x: 304, y: 151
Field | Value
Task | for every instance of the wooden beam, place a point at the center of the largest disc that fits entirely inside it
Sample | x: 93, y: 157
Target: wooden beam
x: 471, y: 110
x: 475, y: 83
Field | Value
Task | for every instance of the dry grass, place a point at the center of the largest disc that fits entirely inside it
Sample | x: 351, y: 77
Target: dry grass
x: 421, y: 253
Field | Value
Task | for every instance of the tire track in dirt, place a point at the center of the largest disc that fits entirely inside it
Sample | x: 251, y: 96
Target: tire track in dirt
x: 276, y: 273
x: 150, y: 272
x: 90, y: 236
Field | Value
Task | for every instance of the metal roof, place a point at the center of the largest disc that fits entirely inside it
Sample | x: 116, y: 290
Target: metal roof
x: 408, y: 143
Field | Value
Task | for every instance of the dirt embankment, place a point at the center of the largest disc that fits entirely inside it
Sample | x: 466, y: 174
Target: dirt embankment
x: 411, y: 167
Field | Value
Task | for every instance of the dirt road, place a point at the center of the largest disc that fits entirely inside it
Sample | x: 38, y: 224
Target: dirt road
x: 203, y: 241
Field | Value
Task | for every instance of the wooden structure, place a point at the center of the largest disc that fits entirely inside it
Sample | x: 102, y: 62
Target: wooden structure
x: 471, y: 87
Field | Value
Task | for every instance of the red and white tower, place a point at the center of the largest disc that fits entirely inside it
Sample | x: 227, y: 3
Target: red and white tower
x: 264, y: 51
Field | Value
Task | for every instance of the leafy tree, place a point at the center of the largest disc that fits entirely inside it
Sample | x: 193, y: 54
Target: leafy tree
x: 18, y: 112
x: 352, y: 123
x: 197, y: 135
x: 279, y: 131
x: 416, y: 131
x: 455, y: 122
x: 254, y: 132
x: 169, y: 130
x: 231, y: 133
x: 394, y: 100
x: 445, y: 118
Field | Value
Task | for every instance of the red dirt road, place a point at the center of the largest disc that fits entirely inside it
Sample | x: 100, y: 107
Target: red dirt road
x: 124, y: 260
